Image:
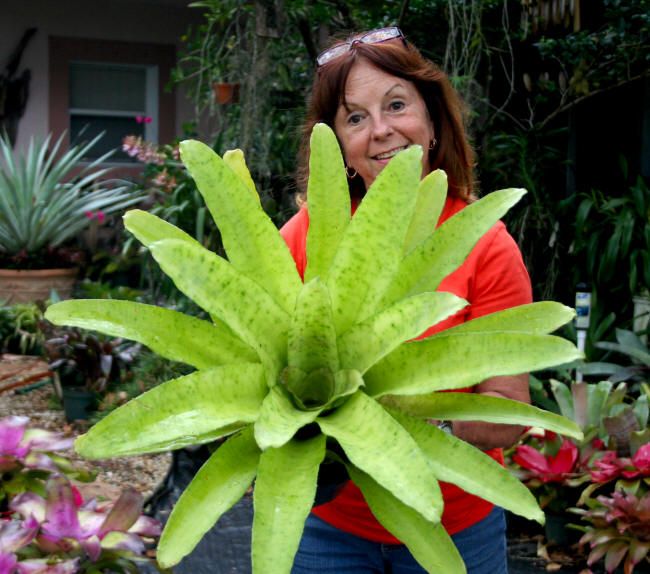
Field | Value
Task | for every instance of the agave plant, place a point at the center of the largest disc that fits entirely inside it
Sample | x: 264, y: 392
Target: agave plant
x: 41, y: 205
x: 301, y: 374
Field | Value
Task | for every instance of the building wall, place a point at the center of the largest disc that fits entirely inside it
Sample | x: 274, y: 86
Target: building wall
x: 143, y: 21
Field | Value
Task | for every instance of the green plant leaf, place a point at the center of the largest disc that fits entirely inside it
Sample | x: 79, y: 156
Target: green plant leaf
x: 279, y: 419
x: 453, y: 361
x: 371, y: 248
x: 430, y: 201
x: 213, y: 284
x: 471, y: 406
x: 234, y: 159
x: 217, y: 486
x: 193, y: 409
x: 445, y: 250
x: 149, y: 228
x: 312, y: 338
x: 450, y: 457
x: 367, y: 342
x: 429, y: 543
x: 164, y: 331
x: 378, y: 445
x: 263, y: 256
x: 564, y: 399
x: 329, y: 201
x: 284, y: 494
x: 542, y: 317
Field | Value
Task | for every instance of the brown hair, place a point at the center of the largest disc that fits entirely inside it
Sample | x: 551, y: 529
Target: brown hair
x: 399, y: 58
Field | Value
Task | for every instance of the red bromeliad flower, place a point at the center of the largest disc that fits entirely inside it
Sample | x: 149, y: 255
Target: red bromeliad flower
x: 548, y: 468
x: 610, y: 466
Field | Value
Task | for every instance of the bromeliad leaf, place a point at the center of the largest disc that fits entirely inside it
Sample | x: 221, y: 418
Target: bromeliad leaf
x: 445, y: 362
x: 329, y: 201
x: 234, y: 159
x: 476, y: 407
x: 284, y: 493
x: 430, y: 262
x: 263, y: 256
x: 542, y: 317
x: 429, y: 543
x: 164, y: 331
x: 149, y: 228
x: 450, y: 457
x: 369, y: 253
x: 213, y: 284
x: 220, y: 482
x: 194, y: 409
x: 431, y: 196
x: 379, y: 446
x: 367, y: 342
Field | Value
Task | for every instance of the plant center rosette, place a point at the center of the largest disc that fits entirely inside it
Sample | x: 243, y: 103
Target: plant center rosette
x: 335, y: 354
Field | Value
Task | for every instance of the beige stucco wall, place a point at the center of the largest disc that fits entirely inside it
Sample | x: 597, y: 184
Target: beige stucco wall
x: 158, y: 22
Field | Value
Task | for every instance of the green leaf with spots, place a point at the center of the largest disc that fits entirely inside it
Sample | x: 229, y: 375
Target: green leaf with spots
x: 371, y: 249
x: 476, y: 407
x: 279, y: 420
x: 430, y: 201
x: 213, y: 284
x: 445, y: 250
x: 312, y: 338
x: 234, y: 159
x: 367, y: 342
x: 284, y: 494
x: 149, y: 228
x: 194, y: 409
x: 429, y: 543
x: 378, y: 445
x: 329, y: 201
x: 450, y: 458
x: 263, y: 256
x: 542, y: 317
x: 444, y: 362
x: 164, y: 331
x: 217, y: 486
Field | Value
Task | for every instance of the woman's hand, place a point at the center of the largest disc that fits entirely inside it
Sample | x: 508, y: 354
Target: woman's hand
x: 489, y: 435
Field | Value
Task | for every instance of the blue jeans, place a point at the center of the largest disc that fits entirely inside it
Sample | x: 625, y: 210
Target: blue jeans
x: 325, y: 549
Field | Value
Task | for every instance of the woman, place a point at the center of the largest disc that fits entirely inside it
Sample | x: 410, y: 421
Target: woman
x: 380, y: 96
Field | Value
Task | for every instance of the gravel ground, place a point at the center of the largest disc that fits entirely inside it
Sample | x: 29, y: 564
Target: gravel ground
x: 144, y: 473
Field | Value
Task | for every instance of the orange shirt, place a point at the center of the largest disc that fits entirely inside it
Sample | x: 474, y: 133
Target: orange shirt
x: 492, y: 278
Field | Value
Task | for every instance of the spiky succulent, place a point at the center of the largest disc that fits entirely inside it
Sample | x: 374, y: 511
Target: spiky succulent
x: 300, y: 373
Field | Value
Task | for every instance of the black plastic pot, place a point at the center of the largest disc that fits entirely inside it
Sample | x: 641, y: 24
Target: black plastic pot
x: 78, y: 403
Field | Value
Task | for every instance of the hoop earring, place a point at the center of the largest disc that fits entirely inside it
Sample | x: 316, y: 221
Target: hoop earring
x: 433, y: 143
x: 352, y: 174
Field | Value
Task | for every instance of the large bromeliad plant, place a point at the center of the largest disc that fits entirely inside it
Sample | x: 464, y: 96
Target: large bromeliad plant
x: 301, y: 374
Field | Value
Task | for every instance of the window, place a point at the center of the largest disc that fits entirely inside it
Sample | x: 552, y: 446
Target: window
x: 108, y: 98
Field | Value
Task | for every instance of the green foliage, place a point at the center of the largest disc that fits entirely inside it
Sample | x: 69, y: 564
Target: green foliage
x: 293, y: 403
x: 43, y: 206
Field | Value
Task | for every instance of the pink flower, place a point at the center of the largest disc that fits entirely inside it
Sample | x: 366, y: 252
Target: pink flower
x: 610, y: 466
x: 548, y: 468
x: 143, y: 119
x: 100, y: 216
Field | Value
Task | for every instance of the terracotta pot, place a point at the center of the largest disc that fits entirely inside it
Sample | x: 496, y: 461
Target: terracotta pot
x: 225, y: 92
x: 24, y: 286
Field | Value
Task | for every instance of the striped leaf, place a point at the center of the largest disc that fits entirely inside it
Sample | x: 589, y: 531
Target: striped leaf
x: 284, y: 494
x: 164, y: 331
x: 219, y: 484
x: 329, y: 201
x: 251, y: 240
x: 452, y: 361
x: 378, y: 445
x: 194, y: 409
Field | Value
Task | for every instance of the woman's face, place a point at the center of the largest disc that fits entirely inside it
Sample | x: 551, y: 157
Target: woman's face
x: 384, y: 115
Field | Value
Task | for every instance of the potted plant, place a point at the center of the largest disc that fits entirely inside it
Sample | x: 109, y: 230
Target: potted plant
x: 85, y: 365
x: 47, y: 197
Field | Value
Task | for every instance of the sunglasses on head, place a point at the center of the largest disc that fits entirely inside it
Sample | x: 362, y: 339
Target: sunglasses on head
x: 373, y: 37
